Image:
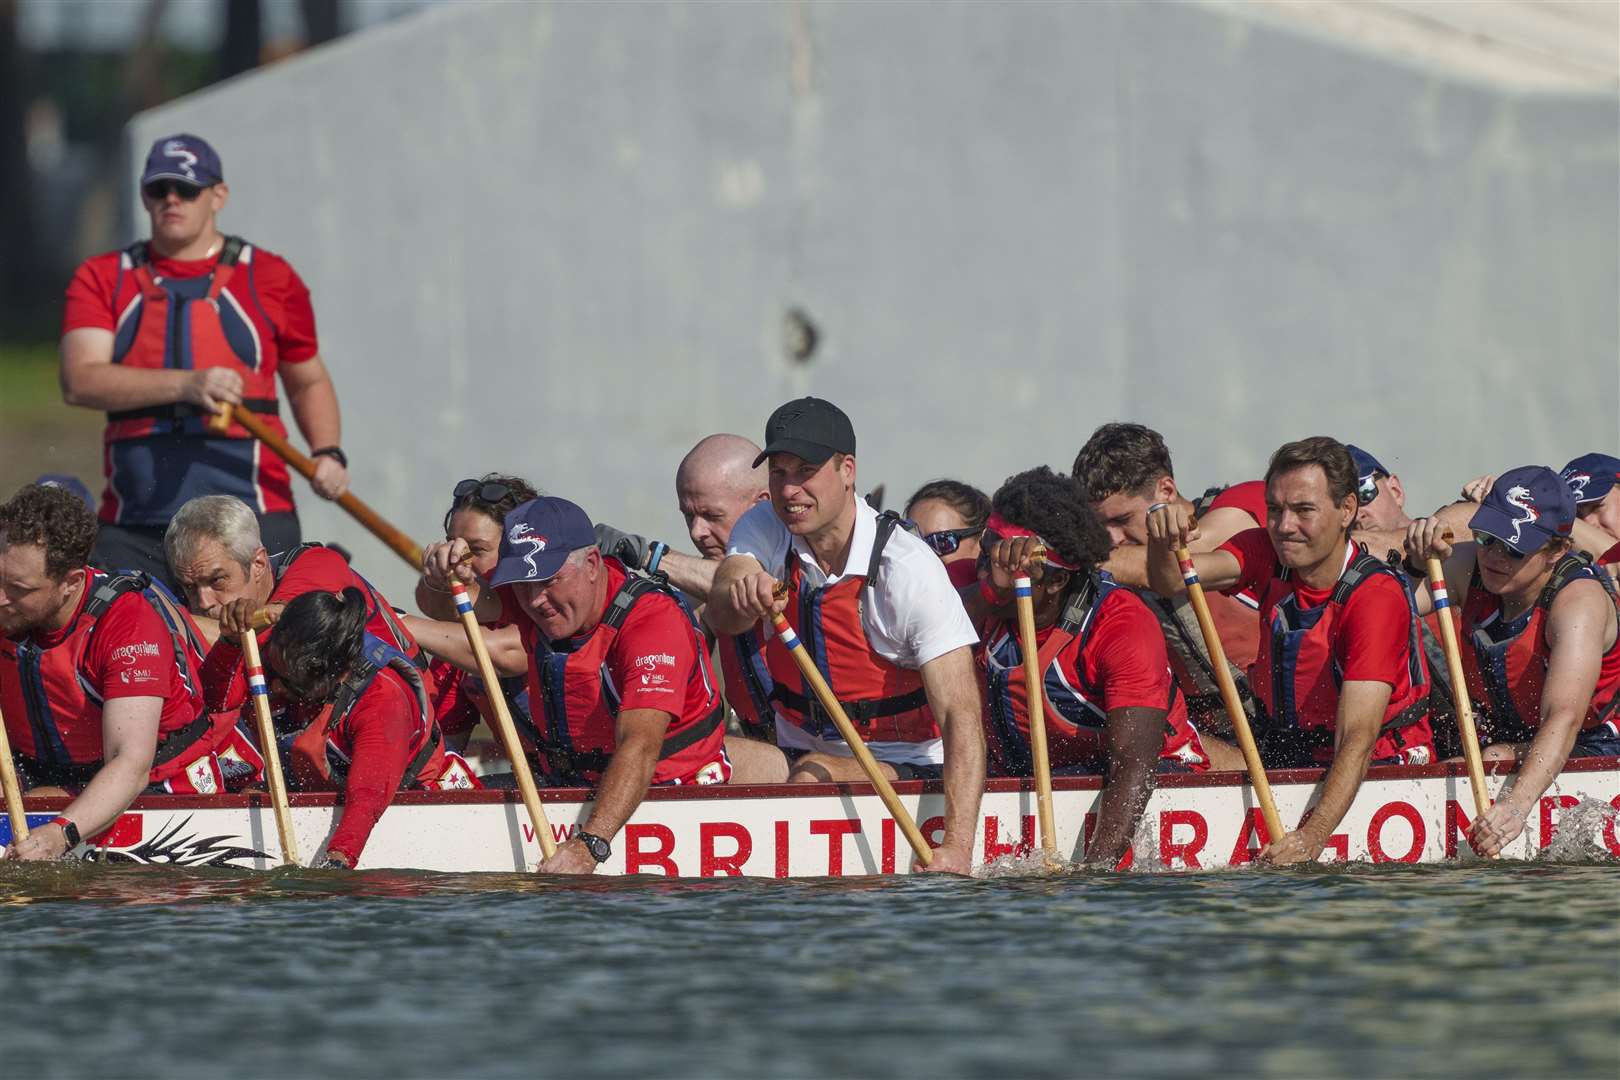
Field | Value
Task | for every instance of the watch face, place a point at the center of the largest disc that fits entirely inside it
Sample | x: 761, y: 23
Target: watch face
x: 597, y: 846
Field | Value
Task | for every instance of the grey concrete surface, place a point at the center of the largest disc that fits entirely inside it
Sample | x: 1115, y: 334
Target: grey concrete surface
x: 561, y: 239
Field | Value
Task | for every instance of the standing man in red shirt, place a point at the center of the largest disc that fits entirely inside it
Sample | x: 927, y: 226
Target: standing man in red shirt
x: 1340, y: 678
x: 98, y: 676
x: 163, y: 333
x: 1124, y: 469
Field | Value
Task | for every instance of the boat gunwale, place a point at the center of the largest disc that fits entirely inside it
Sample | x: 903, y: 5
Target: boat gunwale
x: 726, y: 792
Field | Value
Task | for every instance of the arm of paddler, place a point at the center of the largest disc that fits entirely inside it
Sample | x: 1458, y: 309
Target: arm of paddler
x: 1587, y: 537
x: 314, y: 403
x: 952, y: 686
x: 1579, y: 626
x: 688, y: 573
x: 1427, y: 537
x: 448, y: 641
x: 91, y: 380
x: 742, y: 594
x: 638, y: 739
x: 1134, y: 737
x: 224, y: 676
x: 1361, y: 711
x: 1169, y: 527
x: 381, y: 728
x: 129, y: 734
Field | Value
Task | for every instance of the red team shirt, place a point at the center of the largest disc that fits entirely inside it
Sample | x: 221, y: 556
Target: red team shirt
x: 276, y: 304
x: 1372, y: 638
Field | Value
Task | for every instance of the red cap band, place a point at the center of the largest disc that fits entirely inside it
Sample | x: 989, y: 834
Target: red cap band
x: 1007, y: 530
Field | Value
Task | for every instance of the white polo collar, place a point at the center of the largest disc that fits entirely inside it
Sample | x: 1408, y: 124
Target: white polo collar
x: 860, y: 546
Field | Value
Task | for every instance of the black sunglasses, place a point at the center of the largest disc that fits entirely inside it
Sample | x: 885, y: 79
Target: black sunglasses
x: 158, y: 190
x: 485, y: 492
x: 1487, y: 542
x: 946, y: 541
x: 1367, y: 488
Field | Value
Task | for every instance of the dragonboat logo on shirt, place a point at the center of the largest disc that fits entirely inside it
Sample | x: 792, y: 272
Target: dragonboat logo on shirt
x: 522, y: 533
x: 1519, y: 498
x: 127, y: 656
x: 176, y: 149
x: 649, y: 664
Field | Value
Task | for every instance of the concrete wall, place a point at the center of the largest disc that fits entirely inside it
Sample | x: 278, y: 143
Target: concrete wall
x: 561, y: 240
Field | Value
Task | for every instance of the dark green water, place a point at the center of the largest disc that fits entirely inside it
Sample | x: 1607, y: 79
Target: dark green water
x: 1366, y: 971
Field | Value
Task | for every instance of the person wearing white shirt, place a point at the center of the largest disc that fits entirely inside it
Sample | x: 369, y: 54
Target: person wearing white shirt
x: 875, y: 609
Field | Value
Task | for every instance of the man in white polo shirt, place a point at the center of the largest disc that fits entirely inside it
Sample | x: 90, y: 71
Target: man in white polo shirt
x: 874, y: 607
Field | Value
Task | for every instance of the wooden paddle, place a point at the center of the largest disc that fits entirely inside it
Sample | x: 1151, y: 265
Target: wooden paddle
x: 868, y: 763
x: 13, y: 788
x: 1035, y: 694
x: 1229, y: 695
x: 259, y: 690
x: 1459, y: 685
x: 503, y: 719
x: 401, y: 544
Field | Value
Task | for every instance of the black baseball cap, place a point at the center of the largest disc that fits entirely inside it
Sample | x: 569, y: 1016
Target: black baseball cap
x: 809, y: 428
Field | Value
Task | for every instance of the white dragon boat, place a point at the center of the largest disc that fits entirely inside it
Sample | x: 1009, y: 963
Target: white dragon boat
x: 1411, y: 814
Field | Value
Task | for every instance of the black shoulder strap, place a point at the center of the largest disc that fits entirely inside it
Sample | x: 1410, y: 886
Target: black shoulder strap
x: 1362, y: 567
x: 1201, y: 504
x: 115, y: 586
x: 137, y: 253
x: 281, y: 560
x: 634, y: 588
x: 1077, y: 609
x: 232, y: 250
x: 350, y: 689
x: 1567, y: 569
x: 887, y: 522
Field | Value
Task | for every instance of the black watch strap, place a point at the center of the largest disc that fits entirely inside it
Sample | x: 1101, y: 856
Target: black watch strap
x: 333, y: 452
x: 599, y: 848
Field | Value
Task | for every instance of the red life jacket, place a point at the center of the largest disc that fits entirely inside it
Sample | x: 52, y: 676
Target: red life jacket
x: 1296, y: 680
x: 1076, y: 721
x: 320, y: 753
x: 571, y: 688
x: 189, y: 323
x: 884, y: 701
x: 1506, y: 662
x: 746, y: 674
x: 53, y: 712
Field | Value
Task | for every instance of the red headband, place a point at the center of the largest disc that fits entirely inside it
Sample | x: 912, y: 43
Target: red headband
x: 1007, y: 529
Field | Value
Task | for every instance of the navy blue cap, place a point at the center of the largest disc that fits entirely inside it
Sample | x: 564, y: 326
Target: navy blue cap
x: 1590, y: 476
x: 537, y: 537
x: 1525, y: 508
x: 70, y: 484
x: 183, y: 157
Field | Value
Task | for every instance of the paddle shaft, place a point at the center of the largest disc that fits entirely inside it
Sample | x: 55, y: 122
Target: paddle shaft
x: 1459, y: 686
x: 1035, y: 694
x: 13, y: 788
x: 259, y: 691
x: 868, y: 763
x: 401, y: 544
x: 503, y: 720
x: 1229, y: 695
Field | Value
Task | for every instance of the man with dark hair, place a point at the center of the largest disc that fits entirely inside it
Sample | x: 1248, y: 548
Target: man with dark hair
x: 878, y: 611
x: 1125, y: 468
x: 98, y: 675
x: 1340, y: 679
x: 163, y: 333
x: 1111, y: 703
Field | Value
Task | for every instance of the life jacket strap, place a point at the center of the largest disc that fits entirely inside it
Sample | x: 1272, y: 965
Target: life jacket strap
x: 186, y: 411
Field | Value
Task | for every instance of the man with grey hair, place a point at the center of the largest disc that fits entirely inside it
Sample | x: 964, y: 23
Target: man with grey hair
x: 220, y: 564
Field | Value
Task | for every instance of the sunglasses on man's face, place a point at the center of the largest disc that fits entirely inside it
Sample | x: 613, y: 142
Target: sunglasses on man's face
x: 1367, y: 489
x: 158, y: 190
x: 1487, y: 542
x: 946, y: 541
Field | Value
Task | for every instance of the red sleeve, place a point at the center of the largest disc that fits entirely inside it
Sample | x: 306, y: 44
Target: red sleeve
x: 318, y: 569
x: 1610, y: 557
x: 1127, y: 655
x: 130, y: 654
x: 651, y: 661
x: 224, y: 677
x: 289, y: 296
x: 90, y: 300
x: 1249, y: 496
x: 1257, y: 560
x: 454, y: 709
x: 381, y: 728
x: 1376, y: 630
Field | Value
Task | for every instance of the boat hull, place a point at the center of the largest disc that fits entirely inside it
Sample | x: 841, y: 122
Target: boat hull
x: 1401, y: 814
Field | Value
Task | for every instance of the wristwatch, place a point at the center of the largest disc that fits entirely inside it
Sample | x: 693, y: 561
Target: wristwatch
x: 333, y: 452
x: 69, y: 830
x: 599, y: 848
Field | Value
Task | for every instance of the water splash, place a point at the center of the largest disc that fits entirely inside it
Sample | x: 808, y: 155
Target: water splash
x: 1580, y: 833
x: 1026, y: 863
